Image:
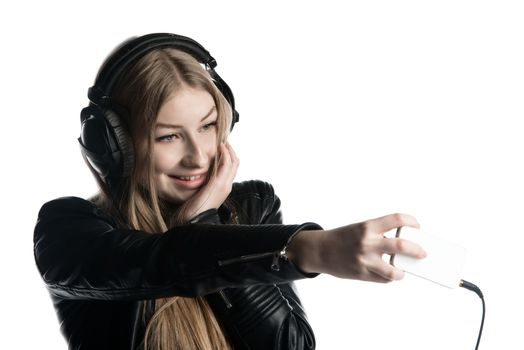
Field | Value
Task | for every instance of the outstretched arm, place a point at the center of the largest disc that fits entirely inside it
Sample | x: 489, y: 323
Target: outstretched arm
x: 354, y: 251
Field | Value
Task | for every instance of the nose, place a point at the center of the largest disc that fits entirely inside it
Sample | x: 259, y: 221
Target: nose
x: 194, y: 154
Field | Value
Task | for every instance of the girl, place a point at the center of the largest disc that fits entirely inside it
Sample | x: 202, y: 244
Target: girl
x: 170, y: 253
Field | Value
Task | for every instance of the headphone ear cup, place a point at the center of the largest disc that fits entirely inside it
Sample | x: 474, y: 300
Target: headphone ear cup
x: 124, y: 141
x: 105, y: 143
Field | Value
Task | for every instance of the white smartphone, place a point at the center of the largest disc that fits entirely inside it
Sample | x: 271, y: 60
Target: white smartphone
x: 444, y: 261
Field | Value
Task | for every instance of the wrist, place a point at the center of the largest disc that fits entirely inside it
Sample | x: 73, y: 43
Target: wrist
x: 304, y: 251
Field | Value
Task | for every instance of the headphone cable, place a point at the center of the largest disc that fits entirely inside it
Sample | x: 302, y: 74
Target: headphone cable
x: 474, y: 288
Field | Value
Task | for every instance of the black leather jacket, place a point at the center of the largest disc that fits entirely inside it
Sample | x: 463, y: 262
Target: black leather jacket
x: 98, y: 274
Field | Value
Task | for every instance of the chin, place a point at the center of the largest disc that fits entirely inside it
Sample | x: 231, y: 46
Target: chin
x: 178, y: 198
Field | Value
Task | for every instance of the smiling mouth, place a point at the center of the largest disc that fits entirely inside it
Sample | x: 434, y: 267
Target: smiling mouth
x: 189, y: 178
x: 190, y: 182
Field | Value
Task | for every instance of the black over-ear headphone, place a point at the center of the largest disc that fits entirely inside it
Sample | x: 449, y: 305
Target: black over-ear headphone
x: 103, y: 140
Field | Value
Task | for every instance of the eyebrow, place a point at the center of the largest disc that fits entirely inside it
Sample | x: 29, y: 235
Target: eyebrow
x: 175, y: 126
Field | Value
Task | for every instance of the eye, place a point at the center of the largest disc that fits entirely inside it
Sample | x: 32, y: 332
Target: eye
x: 167, y: 138
x: 209, y: 126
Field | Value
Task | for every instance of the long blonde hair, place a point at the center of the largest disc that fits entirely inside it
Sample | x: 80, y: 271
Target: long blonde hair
x: 177, y: 323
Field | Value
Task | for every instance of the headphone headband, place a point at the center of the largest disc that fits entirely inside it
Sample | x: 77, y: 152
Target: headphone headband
x: 137, y: 47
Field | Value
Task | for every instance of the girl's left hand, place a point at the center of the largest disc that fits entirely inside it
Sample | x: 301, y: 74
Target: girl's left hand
x: 355, y: 251
x: 218, y: 188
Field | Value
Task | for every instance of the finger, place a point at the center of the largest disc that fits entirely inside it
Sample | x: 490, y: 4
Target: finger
x: 228, y: 165
x: 225, y: 157
x: 386, y: 271
x: 234, y: 158
x: 400, y: 246
x: 231, y: 151
x: 388, y: 222
x: 373, y: 277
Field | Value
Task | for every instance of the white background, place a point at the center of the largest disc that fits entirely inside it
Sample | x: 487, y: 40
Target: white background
x: 352, y: 110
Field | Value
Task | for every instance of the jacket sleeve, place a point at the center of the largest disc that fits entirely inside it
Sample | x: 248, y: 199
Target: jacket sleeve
x: 81, y: 254
x: 264, y: 316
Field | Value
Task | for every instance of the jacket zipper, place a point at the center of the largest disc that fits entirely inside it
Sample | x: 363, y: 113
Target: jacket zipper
x: 275, y: 263
x: 226, y: 299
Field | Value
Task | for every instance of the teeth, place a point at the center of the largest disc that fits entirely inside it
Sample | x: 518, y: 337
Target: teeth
x: 190, y: 178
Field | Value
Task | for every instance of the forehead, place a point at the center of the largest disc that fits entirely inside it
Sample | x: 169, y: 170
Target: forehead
x: 187, y: 105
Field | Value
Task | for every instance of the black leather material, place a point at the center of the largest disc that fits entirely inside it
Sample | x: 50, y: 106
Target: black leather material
x: 98, y: 274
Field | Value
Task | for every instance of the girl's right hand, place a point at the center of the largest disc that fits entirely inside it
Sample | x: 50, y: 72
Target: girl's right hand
x: 354, y: 251
x: 218, y: 188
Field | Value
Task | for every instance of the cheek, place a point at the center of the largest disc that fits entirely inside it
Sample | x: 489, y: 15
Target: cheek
x: 211, y: 145
x: 164, y: 159
x: 212, y: 148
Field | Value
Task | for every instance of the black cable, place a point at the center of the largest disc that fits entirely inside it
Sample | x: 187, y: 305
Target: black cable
x: 474, y: 288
